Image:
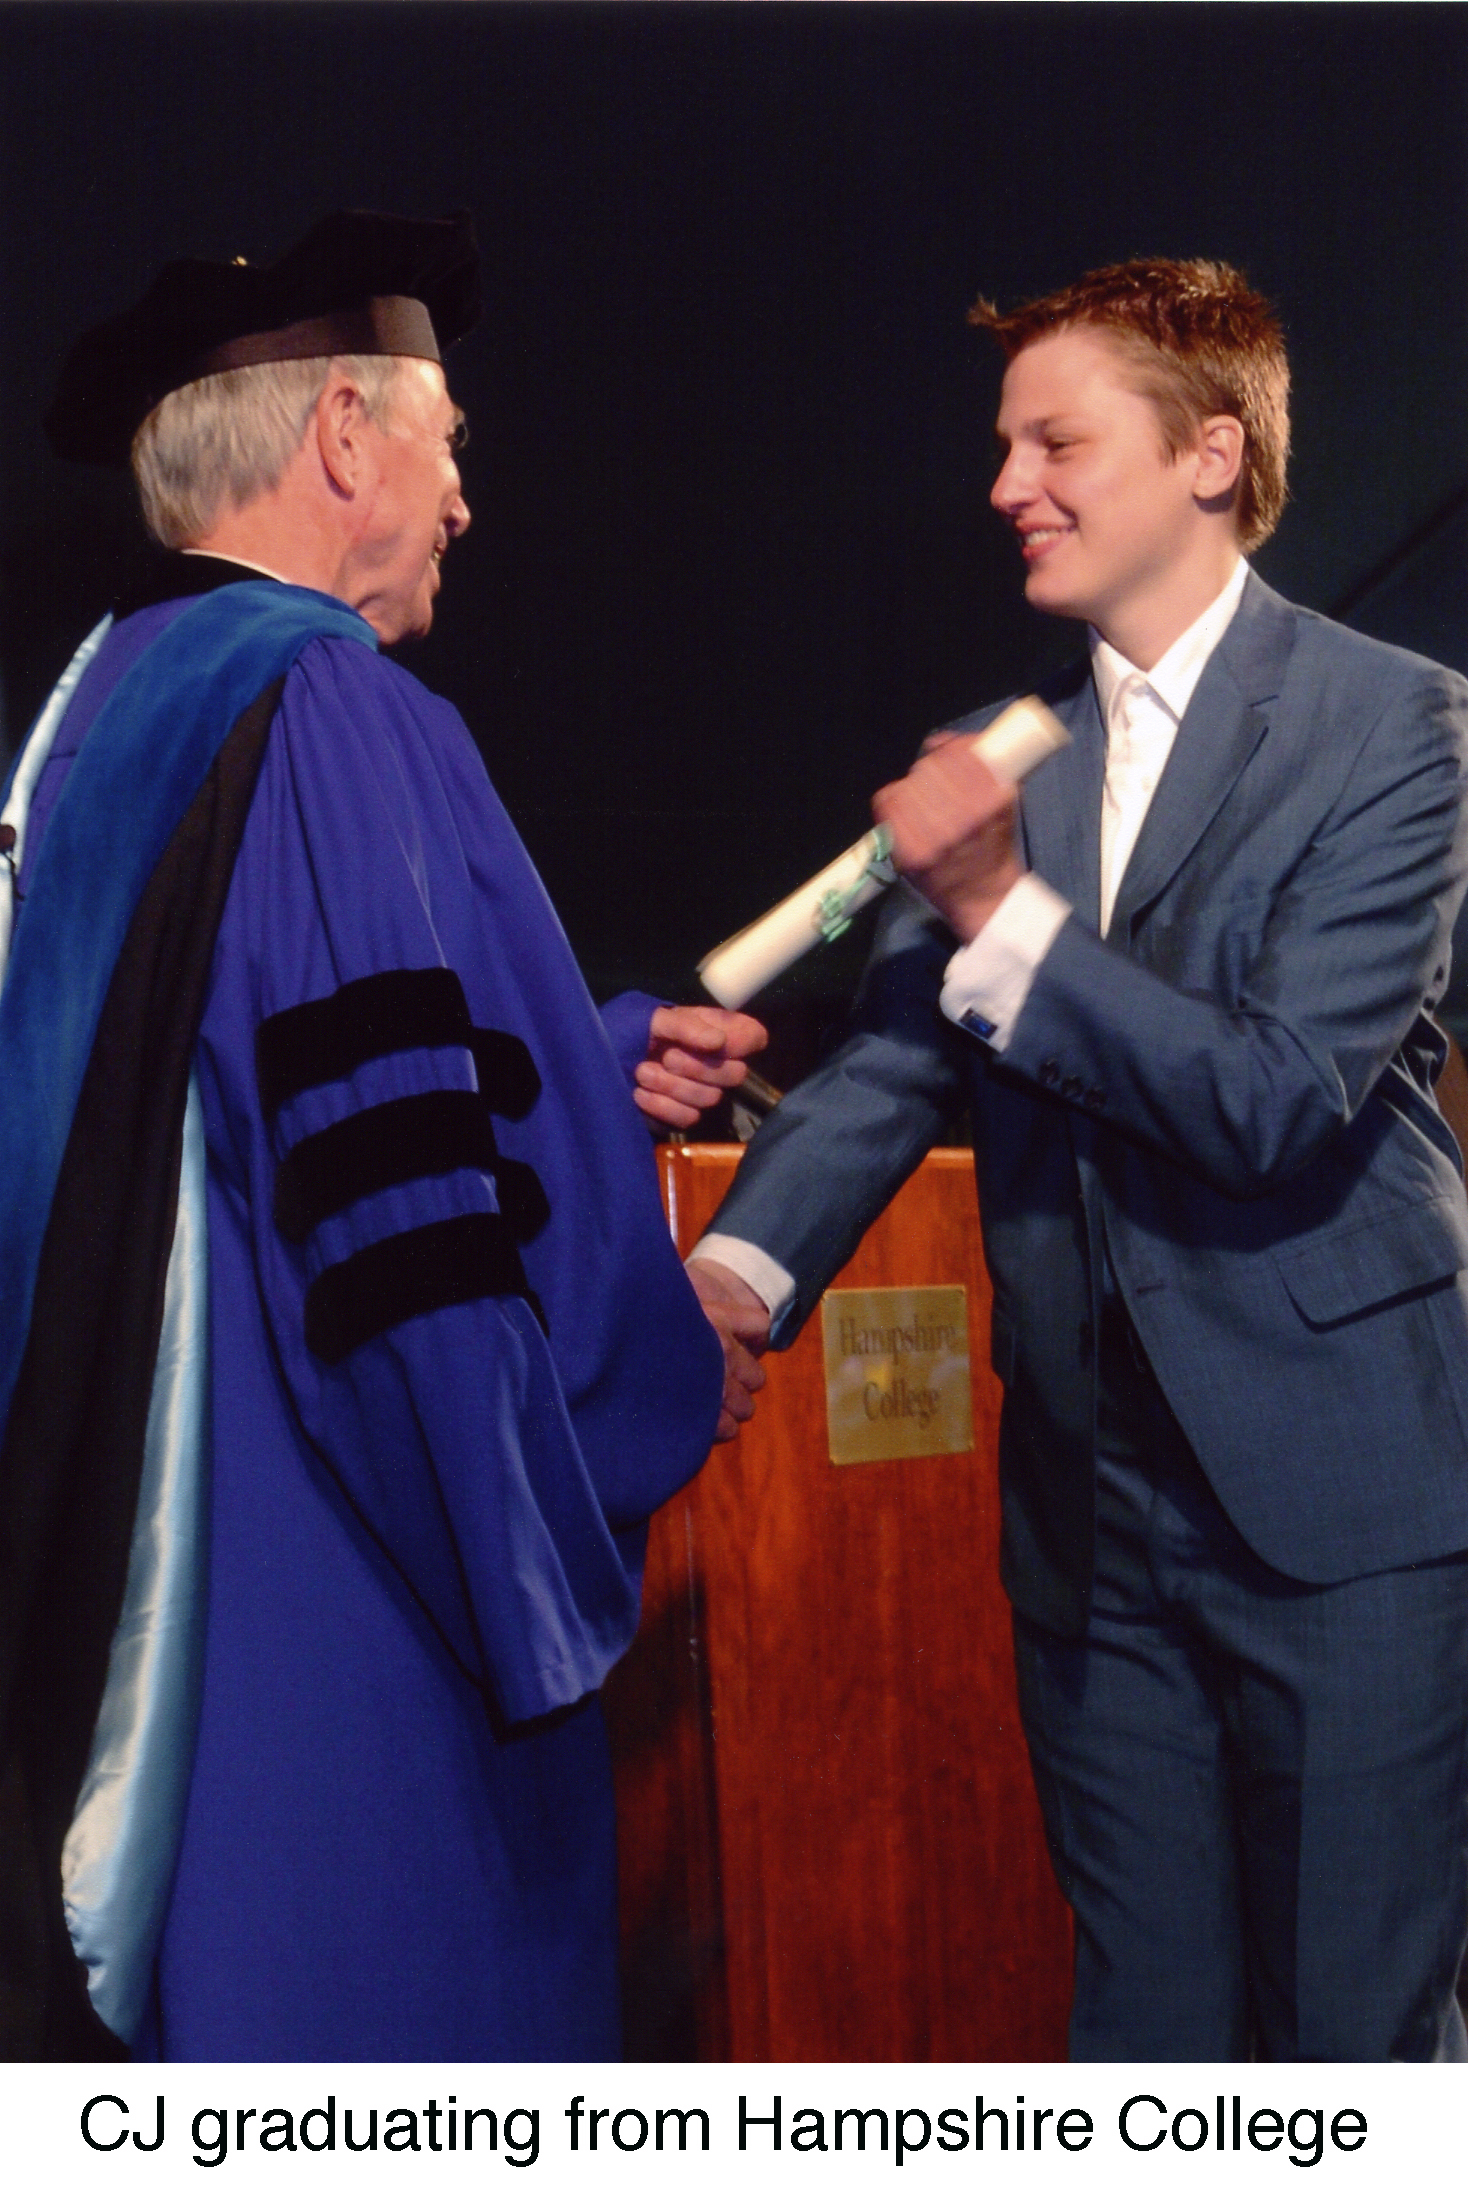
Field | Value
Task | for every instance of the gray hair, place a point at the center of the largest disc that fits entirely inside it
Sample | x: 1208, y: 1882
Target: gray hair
x: 218, y: 443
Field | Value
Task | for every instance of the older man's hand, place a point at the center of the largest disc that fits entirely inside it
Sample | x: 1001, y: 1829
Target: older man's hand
x: 952, y: 825
x: 741, y: 1320
x: 694, y: 1056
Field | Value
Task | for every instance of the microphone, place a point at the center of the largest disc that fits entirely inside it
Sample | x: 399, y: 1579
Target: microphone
x: 821, y: 910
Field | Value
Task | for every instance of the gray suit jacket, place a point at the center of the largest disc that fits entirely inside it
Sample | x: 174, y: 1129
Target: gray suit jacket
x: 1235, y: 1086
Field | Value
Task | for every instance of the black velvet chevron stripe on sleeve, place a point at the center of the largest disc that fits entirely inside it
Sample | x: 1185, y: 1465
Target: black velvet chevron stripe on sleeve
x: 325, y: 1040
x: 508, y: 1077
x: 522, y: 1199
x: 421, y: 1271
x: 400, y: 1141
x: 427, y: 1134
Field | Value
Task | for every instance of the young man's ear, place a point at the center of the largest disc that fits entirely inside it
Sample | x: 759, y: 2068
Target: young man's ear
x: 1220, y: 457
x: 341, y: 418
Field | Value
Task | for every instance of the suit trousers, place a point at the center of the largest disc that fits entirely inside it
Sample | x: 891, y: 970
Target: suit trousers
x: 1255, y: 1790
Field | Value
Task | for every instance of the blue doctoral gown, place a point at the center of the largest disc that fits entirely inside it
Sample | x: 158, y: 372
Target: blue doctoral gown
x: 455, y: 1367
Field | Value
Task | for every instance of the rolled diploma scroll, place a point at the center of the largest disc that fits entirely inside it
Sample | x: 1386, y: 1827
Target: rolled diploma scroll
x: 1011, y: 745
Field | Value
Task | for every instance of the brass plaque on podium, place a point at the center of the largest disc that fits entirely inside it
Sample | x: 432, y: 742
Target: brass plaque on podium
x: 897, y: 1373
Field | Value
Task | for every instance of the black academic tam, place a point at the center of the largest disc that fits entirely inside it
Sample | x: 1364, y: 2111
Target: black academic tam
x: 356, y: 283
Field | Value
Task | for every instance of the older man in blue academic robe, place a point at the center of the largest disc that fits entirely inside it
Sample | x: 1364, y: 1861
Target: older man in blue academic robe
x: 345, y: 1352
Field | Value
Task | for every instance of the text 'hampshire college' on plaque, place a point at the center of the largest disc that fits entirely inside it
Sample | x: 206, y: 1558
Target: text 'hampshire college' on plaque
x: 897, y: 1373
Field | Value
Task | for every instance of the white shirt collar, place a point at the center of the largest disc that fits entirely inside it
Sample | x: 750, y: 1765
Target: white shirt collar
x: 1179, y: 669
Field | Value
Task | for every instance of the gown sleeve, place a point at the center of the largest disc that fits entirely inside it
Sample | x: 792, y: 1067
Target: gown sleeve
x: 627, y: 1021
x: 408, y: 1098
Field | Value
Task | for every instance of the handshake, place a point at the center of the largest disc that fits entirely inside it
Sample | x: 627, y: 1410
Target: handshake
x: 742, y: 1321
x: 949, y: 829
x: 694, y: 1056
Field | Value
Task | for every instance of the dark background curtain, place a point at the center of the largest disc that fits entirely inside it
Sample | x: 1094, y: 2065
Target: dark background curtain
x: 730, y: 435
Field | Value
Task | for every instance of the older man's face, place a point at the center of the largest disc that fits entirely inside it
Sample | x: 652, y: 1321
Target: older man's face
x: 417, y: 506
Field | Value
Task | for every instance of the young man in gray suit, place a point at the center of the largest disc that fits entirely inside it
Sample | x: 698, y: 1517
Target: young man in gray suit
x: 1184, y: 986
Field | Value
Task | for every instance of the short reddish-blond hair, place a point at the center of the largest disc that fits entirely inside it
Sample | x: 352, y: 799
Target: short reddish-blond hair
x: 1199, y: 342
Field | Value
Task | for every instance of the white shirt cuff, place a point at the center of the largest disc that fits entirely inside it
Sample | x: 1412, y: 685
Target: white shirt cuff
x: 988, y: 982
x: 764, y: 1276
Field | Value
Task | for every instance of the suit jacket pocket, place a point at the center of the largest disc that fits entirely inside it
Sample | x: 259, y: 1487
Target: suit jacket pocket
x: 1349, y: 1270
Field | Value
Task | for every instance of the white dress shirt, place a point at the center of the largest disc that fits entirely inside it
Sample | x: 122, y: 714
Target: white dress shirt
x: 988, y: 981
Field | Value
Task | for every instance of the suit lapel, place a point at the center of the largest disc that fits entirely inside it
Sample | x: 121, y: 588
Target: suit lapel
x: 1061, y: 804
x: 1222, y: 726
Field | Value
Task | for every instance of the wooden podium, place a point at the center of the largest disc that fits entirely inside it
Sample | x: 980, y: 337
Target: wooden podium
x: 831, y: 1849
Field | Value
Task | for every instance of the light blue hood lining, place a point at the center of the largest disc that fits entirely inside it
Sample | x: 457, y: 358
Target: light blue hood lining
x: 118, y: 1860
x: 171, y: 711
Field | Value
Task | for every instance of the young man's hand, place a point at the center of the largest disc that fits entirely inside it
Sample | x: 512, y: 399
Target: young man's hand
x: 952, y: 825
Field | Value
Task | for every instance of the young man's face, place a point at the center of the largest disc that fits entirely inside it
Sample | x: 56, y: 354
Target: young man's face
x: 1105, y: 518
